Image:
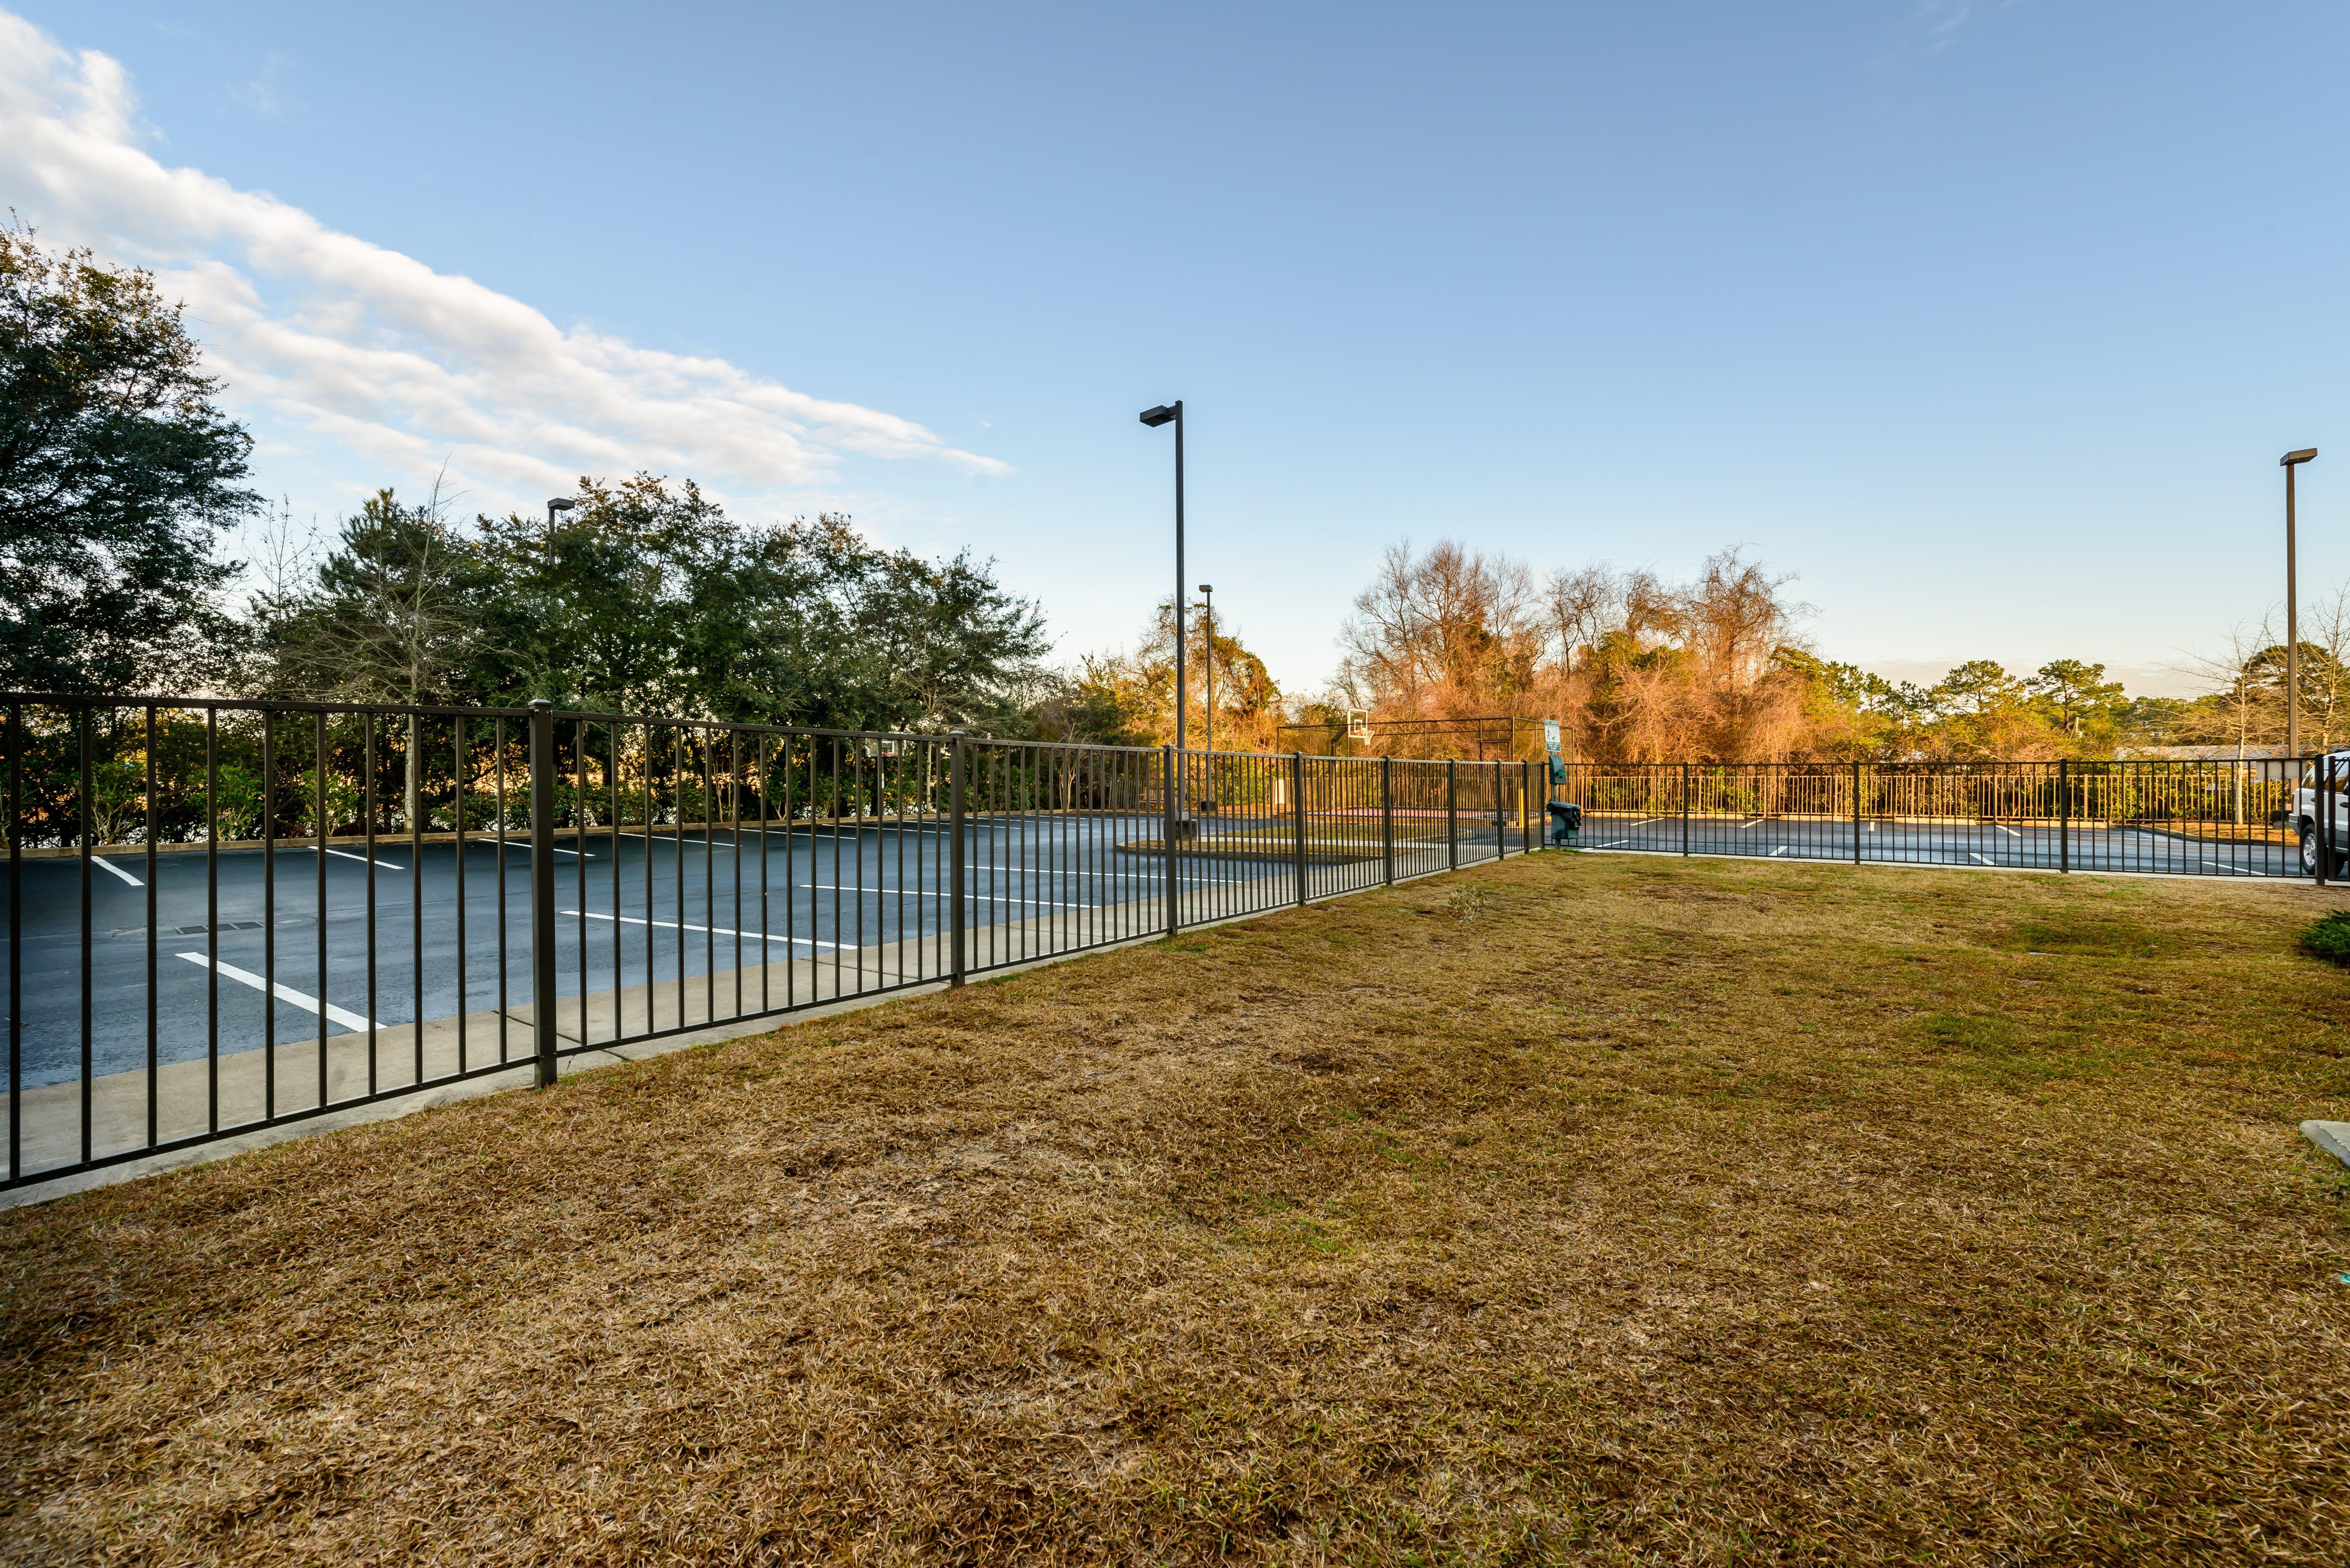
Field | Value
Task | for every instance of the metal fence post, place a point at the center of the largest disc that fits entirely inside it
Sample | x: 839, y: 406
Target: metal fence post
x: 1855, y: 814
x: 1501, y: 827
x: 1297, y: 810
x: 1452, y: 814
x: 2064, y: 815
x: 1166, y: 838
x: 957, y: 918
x: 1685, y: 808
x: 2325, y: 809
x: 1526, y: 805
x: 542, y: 886
x: 1386, y: 820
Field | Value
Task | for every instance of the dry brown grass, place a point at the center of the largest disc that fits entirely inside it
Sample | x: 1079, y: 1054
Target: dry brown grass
x: 1646, y: 1211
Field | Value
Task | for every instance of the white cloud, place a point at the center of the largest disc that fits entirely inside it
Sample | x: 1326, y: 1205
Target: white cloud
x: 379, y: 356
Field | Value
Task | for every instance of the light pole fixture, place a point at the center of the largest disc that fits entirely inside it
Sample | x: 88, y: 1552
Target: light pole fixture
x: 2290, y: 462
x: 1208, y: 708
x: 554, y: 506
x: 1166, y: 413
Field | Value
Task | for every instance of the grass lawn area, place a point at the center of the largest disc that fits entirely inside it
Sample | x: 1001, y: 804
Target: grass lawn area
x: 1637, y: 1209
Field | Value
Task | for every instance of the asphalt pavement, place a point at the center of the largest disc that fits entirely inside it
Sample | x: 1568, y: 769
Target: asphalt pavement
x: 234, y: 964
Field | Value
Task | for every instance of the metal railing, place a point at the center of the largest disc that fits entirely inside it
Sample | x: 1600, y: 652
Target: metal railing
x: 224, y: 916
x: 2224, y: 819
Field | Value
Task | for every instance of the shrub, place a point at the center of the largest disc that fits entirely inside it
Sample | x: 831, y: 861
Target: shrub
x: 2329, y: 937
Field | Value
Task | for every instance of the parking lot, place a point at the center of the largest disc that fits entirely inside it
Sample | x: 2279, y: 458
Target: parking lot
x: 422, y: 932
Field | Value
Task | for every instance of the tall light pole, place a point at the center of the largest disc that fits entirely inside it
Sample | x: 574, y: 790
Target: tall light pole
x: 554, y: 506
x: 1208, y: 609
x: 2290, y: 462
x: 1154, y: 418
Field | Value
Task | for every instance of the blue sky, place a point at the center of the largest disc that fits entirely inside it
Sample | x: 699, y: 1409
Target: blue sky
x: 1989, y: 321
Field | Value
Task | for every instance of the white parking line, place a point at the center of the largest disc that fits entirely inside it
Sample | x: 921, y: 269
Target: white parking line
x: 714, y: 930
x: 387, y: 865
x: 2227, y: 867
x: 977, y: 895
x: 103, y: 862
x: 1781, y: 850
x: 1744, y: 825
x: 524, y: 844
x: 349, y: 1020
x: 1978, y: 857
x: 2009, y: 831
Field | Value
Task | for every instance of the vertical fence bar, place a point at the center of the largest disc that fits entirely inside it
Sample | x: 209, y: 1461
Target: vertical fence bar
x: 498, y: 740
x: 760, y: 762
x: 1855, y: 814
x: 1386, y: 820
x: 269, y: 917
x: 832, y: 805
x: 619, y: 965
x: 579, y: 864
x: 412, y: 762
x: 1685, y: 808
x: 1167, y: 762
x: 2064, y: 815
x: 367, y: 821
x: 734, y: 838
x: 710, y: 894
x: 148, y: 833
x: 957, y: 921
x: 318, y: 805
x: 1451, y: 814
x: 542, y: 888
x: 677, y: 845
x: 2325, y: 832
x: 1297, y: 815
x: 457, y: 822
x: 1526, y: 803
x: 15, y: 940
x: 212, y: 919
x: 81, y: 736
x: 1501, y: 827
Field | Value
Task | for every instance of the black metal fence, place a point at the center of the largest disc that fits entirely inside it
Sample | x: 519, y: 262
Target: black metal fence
x: 2224, y: 819
x: 223, y: 916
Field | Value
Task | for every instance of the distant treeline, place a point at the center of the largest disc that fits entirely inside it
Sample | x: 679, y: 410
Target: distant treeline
x: 1641, y: 669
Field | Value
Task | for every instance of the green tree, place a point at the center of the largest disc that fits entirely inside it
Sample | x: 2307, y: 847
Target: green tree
x: 1849, y: 712
x: 117, y: 475
x: 2071, y: 695
x: 394, y: 616
x: 593, y: 612
x: 772, y: 631
x: 958, y: 647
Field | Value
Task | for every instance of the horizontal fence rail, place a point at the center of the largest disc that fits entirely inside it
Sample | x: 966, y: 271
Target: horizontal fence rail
x: 2173, y: 818
x: 223, y: 916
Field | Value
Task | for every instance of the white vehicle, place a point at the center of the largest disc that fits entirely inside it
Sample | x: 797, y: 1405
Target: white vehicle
x: 2304, y: 814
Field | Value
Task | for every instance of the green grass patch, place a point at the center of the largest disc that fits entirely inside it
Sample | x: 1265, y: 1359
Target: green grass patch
x: 2328, y: 938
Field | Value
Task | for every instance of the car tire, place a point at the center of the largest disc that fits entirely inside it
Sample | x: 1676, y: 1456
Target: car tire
x: 2309, y: 853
